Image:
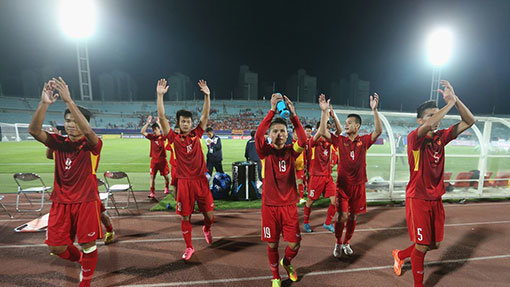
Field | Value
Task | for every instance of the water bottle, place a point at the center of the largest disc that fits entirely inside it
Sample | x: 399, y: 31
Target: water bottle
x: 282, y: 109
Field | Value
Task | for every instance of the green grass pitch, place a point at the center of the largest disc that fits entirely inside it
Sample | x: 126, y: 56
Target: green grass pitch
x: 132, y: 156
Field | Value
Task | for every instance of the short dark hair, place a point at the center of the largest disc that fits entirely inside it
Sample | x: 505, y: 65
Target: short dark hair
x: 317, y: 125
x: 154, y: 125
x: 208, y: 129
x: 252, y: 133
x: 421, y: 108
x: 309, y: 127
x: 184, y: 114
x: 356, y: 117
x: 86, y: 113
x: 278, y: 121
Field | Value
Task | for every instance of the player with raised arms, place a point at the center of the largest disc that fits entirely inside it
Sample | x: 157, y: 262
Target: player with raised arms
x: 279, y: 192
x: 425, y: 151
x: 192, y: 184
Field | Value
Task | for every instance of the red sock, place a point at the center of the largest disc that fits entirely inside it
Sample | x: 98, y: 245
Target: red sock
x: 330, y: 214
x: 406, y: 253
x: 306, y: 218
x: 186, y: 232
x: 339, y: 229
x: 301, y: 188
x: 208, y: 223
x: 289, y: 255
x: 417, y: 259
x: 72, y: 253
x: 88, y: 265
x: 272, y: 255
x: 152, y: 189
x: 166, y: 184
x: 349, y: 230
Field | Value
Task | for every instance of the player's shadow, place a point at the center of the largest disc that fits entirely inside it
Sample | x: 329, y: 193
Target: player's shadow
x: 371, y: 214
x: 361, y: 248
x: 218, y: 249
x: 463, y: 248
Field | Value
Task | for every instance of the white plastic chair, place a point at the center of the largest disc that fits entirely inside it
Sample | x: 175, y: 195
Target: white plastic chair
x: 21, y: 177
x: 123, y: 187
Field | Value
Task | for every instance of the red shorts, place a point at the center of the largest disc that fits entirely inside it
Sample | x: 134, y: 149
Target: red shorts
x: 74, y: 220
x: 342, y: 204
x: 173, y: 180
x: 280, y: 219
x: 161, y: 166
x: 191, y: 190
x: 321, y: 185
x: 425, y: 220
x: 357, y: 198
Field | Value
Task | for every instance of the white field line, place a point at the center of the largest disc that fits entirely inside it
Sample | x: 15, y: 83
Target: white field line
x: 316, y: 273
x: 369, y: 229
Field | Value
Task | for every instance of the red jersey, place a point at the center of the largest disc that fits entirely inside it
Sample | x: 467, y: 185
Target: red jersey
x: 173, y: 160
x: 188, y: 153
x: 426, y: 164
x: 158, y: 152
x: 320, y: 159
x: 75, y: 169
x: 352, y: 158
x: 279, y: 188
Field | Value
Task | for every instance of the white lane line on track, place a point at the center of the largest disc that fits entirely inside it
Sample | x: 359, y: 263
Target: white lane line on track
x: 257, y: 211
x: 368, y: 229
x: 317, y: 273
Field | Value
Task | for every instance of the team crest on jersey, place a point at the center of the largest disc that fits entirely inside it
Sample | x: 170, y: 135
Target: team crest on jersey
x: 359, y: 143
x: 439, y: 141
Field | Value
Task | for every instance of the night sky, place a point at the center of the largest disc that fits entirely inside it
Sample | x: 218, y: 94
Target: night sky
x: 382, y: 41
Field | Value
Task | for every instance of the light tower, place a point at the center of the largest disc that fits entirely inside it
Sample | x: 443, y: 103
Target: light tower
x: 439, y: 47
x: 78, y: 19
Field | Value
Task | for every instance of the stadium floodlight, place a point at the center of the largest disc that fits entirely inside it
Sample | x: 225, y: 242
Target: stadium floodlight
x: 439, y: 46
x: 439, y: 49
x: 78, y: 18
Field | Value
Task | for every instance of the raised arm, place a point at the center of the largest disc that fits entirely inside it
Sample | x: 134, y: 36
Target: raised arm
x: 207, y: 103
x: 161, y: 90
x: 374, y: 102
x: 143, y: 131
x: 323, y: 128
x: 47, y: 98
x: 433, y: 121
x: 298, y: 127
x: 260, y: 140
x: 80, y: 120
x: 467, y: 118
x: 338, y: 125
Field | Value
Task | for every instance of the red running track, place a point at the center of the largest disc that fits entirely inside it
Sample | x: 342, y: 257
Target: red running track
x: 475, y: 252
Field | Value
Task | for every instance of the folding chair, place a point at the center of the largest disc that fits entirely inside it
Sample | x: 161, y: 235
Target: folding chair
x: 128, y: 188
x: 106, y: 196
x: 40, y: 189
x: 3, y: 206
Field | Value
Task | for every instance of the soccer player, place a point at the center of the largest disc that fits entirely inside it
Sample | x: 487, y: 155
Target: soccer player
x: 75, y: 205
x: 157, y: 154
x: 352, y: 176
x: 192, y: 183
x: 173, y: 164
x: 214, y: 153
x: 109, y: 236
x: 425, y: 150
x: 321, y: 181
x: 279, y: 193
x: 300, y: 170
